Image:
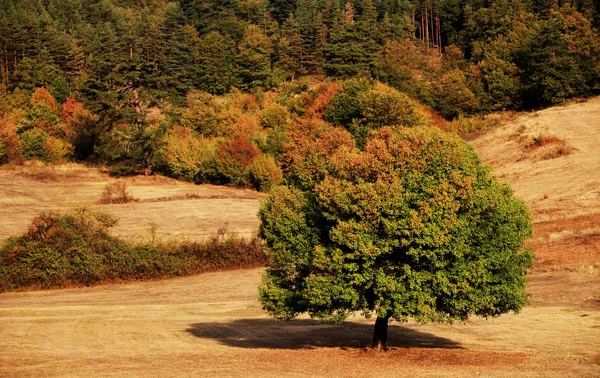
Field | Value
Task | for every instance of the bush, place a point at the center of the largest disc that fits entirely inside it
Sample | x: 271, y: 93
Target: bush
x: 452, y: 96
x: 116, y: 193
x: 265, y: 173
x: 345, y: 106
x: 9, y: 140
x: 186, y: 155
x: 55, y: 150
x: 77, y: 249
x: 33, y: 144
x: 362, y: 107
x: 232, y: 163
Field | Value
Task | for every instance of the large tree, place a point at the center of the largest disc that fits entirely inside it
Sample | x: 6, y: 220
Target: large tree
x: 412, y: 226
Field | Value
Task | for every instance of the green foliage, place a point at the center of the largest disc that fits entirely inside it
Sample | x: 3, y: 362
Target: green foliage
x: 452, y: 96
x: 207, y: 114
x: 77, y: 249
x: 362, y: 107
x: 265, y: 173
x: 345, y: 107
x: 185, y: 154
x: 350, y: 51
x: 3, y: 153
x: 44, y: 118
x: 413, y: 226
x: 32, y: 144
x: 561, y: 58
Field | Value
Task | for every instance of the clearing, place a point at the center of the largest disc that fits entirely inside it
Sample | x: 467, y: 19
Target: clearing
x: 212, y: 324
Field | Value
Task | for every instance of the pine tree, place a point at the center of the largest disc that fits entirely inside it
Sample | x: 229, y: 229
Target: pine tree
x: 290, y: 47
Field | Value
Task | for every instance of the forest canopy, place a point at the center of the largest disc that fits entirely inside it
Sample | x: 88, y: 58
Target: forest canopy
x: 219, y: 84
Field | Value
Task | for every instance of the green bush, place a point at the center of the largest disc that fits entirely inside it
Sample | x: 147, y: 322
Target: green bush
x: 451, y: 95
x: 77, y: 249
x: 186, y: 154
x: 362, y: 107
x: 265, y: 173
x: 33, y: 144
x: 346, y: 106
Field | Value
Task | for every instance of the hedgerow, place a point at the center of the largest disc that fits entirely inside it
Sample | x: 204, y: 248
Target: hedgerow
x: 77, y: 249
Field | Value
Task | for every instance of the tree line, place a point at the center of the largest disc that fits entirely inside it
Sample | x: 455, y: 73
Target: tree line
x: 120, y: 58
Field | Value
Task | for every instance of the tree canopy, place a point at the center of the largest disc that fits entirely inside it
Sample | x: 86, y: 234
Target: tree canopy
x: 412, y: 226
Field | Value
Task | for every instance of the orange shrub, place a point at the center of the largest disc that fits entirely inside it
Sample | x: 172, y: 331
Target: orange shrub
x: 9, y: 140
x: 42, y: 96
x: 69, y: 108
x: 238, y: 151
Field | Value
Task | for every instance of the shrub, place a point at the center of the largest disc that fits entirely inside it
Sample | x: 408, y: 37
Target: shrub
x: 116, y: 192
x: 233, y: 161
x: 9, y: 139
x: 77, y: 249
x: 33, y: 144
x: 275, y: 117
x: 452, y: 96
x: 549, y: 147
x: 345, y: 106
x: 207, y: 114
x: 83, y: 130
x: 55, y: 150
x: 362, y: 107
x: 265, y: 173
x: 42, y: 117
x: 42, y: 96
x: 69, y: 108
x: 186, y: 155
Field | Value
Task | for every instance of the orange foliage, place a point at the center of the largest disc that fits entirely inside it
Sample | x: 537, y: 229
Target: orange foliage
x: 69, y: 108
x: 42, y: 96
x: 245, y: 125
x: 322, y: 96
x: 250, y: 102
x: 238, y: 150
x: 9, y: 138
x: 437, y: 120
x: 542, y: 141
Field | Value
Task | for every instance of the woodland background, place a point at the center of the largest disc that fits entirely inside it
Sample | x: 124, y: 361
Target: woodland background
x: 231, y: 92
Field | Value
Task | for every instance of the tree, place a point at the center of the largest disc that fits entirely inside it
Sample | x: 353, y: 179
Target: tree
x: 254, y: 58
x: 413, y: 226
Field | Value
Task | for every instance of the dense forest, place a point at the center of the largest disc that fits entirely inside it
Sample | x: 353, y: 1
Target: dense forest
x: 228, y: 91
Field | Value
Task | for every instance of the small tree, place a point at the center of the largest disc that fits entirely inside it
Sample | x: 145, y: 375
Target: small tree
x: 412, y: 226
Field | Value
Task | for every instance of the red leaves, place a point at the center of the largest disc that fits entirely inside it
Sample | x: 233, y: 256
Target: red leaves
x: 239, y: 150
x: 69, y: 108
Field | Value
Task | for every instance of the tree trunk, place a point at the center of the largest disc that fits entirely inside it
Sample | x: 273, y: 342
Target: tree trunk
x: 380, y: 334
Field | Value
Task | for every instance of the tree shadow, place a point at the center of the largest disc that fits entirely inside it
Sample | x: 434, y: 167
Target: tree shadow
x: 310, y: 334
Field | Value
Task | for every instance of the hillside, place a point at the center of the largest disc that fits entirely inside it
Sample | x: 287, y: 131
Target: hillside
x: 212, y: 324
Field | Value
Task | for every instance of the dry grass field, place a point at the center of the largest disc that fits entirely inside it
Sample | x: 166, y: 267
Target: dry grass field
x: 212, y: 324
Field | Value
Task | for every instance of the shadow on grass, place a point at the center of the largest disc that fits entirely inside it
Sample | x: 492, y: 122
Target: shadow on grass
x: 309, y: 334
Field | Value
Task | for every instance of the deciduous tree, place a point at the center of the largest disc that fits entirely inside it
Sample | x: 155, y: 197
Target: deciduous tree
x: 413, y: 226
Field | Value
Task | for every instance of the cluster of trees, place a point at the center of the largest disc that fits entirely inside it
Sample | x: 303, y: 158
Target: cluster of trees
x: 146, y: 73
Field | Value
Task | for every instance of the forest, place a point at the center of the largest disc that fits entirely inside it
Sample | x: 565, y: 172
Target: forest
x: 232, y: 92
